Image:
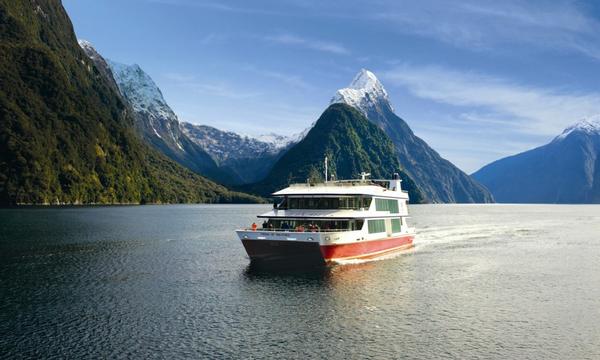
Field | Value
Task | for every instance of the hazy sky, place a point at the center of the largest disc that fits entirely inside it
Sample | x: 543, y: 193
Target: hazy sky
x: 478, y: 80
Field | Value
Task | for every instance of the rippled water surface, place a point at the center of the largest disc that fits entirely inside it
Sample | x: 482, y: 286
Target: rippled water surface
x: 483, y: 281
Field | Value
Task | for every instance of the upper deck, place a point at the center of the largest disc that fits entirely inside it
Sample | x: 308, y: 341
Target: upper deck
x: 368, y: 188
x: 346, y: 199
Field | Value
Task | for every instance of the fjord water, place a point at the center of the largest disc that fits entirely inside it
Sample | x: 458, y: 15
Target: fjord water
x: 483, y: 281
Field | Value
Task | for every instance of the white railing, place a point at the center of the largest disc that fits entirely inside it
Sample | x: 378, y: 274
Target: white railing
x: 296, y: 231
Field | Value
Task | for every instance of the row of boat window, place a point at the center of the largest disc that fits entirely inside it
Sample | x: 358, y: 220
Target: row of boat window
x: 354, y: 203
x: 374, y: 226
x: 313, y: 225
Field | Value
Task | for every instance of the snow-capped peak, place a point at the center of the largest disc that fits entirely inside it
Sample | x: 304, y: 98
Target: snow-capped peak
x: 589, y: 126
x: 366, y: 80
x: 89, y: 49
x: 364, y: 90
x: 85, y: 44
x: 139, y: 88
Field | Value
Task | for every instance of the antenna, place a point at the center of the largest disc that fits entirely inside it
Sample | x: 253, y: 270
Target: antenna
x: 325, y: 169
x: 363, y: 175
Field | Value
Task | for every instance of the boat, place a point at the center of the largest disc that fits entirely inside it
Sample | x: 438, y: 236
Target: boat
x: 331, y: 221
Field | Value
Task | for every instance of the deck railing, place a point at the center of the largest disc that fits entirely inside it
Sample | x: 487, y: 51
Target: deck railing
x: 296, y: 231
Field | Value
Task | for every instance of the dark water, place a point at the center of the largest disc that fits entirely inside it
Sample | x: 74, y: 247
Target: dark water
x: 173, y: 282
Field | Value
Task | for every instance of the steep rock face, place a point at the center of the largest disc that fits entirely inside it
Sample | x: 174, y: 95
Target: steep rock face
x: 248, y: 158
x: 353, y: 145
x: 567, y: 170
x: 65, y: 134
x: 157, y: 122
x: 100, y: 63
x: 438, y: 179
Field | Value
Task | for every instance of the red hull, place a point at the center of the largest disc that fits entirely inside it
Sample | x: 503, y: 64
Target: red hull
x: 366, y: 249
x: 305, y: 253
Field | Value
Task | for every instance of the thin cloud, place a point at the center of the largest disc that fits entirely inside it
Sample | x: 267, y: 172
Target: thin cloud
x: 217, y: 7
x: 486, y: 25
x: 294, y: 81
x: 192, y: 83
x: 477, y: 25
x: 212, y: 38
x: 524, y: 109
x: 293, y: 40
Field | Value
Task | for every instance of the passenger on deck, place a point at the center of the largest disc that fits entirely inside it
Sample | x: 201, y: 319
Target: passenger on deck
x: 254, y: 226
x: 265, y: 225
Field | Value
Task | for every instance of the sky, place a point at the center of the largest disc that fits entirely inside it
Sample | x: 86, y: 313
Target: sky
x: 478, y: 80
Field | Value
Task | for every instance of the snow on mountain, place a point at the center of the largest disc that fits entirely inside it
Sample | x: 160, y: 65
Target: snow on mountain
x: 147, y: 100
x: 89, y: 49
x: 437, y: 178
x: 100, y: 63
x: 140, y: 89
x: 225, y: 145
x: 589, y: 126
x: 364, y: 92
x: 275, y: 140
x: 566, y: 170
x: 296, y: 138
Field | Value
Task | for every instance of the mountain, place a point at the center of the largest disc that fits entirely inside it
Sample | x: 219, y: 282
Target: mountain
x: 438, y: 179
x: 350, y: 141
x: 157, y: 122
x: 567, y: 170
x: 100, y: 62
x: 224, y: 156
x: 66, y: 136
x: 248, y: 159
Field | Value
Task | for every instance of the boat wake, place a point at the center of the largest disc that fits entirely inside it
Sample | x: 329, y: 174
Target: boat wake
x: 391, y: 255
x: 473, y: 234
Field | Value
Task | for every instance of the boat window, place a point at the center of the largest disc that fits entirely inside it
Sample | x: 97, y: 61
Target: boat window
x: 396, y: 225
x: 283, y: 205
x: 390, y: 205
x: 366, y: 202
x: 356, y: 224
x: 376, y: 226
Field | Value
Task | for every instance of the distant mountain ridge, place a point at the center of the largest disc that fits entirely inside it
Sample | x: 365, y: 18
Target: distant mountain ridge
x: 351, y: 142
x: 566, y: 170
x: 248, y: 158
x: 224, y: 145
x: 438, y: 179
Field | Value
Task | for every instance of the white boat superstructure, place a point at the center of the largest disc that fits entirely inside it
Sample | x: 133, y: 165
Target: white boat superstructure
x: 335, y: 220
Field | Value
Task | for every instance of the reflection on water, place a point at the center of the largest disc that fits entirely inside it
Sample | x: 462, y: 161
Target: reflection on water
x: 482, y: 281
x: 254, y: 270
